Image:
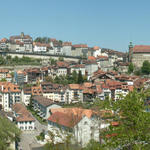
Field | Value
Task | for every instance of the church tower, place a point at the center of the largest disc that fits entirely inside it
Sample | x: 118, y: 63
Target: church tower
x: 130, y: 51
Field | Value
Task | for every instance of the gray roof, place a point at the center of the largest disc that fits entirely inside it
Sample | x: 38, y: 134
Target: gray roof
x: 43, y: 101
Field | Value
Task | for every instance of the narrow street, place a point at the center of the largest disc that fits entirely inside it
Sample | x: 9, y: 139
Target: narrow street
x: 29, y: 137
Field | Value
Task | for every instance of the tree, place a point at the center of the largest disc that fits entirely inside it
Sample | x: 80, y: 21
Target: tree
x: 49, y: 79
x: 2, y: 60
x: 130, y: 68
x: 74, y: 76
x: 80, y: 78
x: 9, y: 133
x: 145, y: 67
x: 42, y: 40
x: 3, y: 80
x: 134, y: 124
x: 52, y: 61
x: 61, y: 58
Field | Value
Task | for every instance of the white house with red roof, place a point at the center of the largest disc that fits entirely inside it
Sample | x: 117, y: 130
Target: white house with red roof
x: 77, y: 68
x: 96, y: 51
x: 23, y: 118
x: 83, y: 124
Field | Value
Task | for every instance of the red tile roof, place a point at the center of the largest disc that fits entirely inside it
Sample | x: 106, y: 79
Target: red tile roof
x: 67, y: 44
x: 96, y: 48
x: 75, y: 86
x: 80, y: 46
x: 24, y: 114
x: 91, y: 58
x: 141, y: 49
x: 67, y: 120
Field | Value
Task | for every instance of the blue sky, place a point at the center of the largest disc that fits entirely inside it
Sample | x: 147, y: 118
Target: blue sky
x: 106, y: 23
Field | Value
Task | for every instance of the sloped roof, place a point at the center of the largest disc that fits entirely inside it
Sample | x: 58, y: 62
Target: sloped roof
x: 141, y: 49
x: 67, y: 120
x: 43, y: 101
x: 24, y: 114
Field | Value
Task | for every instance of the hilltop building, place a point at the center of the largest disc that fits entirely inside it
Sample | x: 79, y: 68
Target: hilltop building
x: 138, y: 54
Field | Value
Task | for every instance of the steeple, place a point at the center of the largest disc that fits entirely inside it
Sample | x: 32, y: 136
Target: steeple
x: 130, y: 51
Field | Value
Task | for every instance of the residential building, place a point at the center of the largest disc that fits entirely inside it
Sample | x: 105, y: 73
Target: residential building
x: 57, y: 46
x: 34, y: 75
x: 26, y: 95
x: 55, y: 92
x: 66, y: 48
x: 23, y: 118
x: 9, y: 78
x: 77, y: 68
x: 91, y: 67
x: 40, y: 47
x: 21, y: 43
x: 20, y: 77
x: 4, y: 44
x: 79, y: 50
x: 9, y: 95
x: 43, y: 106
x: 3, y: 73
x: 96, y: 51
x: 75, y: 93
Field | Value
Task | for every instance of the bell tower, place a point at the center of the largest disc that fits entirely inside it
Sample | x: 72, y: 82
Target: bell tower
x: 130, y: 51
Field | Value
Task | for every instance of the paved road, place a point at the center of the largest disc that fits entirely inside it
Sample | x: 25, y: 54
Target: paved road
x: 29, y: 137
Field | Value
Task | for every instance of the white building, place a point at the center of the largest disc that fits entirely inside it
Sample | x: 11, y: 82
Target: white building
x: 26, y: 95
x: 75, y: 93
x: 96, y: 51
x: 77, y: 68
x: 40, y: 47
x: 83, y: 124
x: 66, y: 48
x: 43, y: 106
x: 21, y: 43
x: 9, y: 95
x: 91, y: 67
x: 24, y: 119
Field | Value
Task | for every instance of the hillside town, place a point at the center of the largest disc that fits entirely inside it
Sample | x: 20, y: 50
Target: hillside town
x: 55, y: 98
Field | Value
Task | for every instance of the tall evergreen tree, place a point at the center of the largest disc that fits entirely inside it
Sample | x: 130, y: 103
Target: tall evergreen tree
x: 130, y: 68
x: 80, y: 78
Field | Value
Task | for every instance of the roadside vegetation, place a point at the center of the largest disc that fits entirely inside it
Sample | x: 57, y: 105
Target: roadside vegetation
x: 144, y: 70
x: 9, y: 133
x: 9, y: 61
x: 74, y: 78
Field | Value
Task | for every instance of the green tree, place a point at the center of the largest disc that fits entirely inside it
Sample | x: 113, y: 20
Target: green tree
x: 145, y: 69
x: 80, y: 78
x: 2, y: 60
x: 52, y: 61
x: 3, y: 80
x: 134, y: 124
x: 61, y: 58
x: 130, y: 68
x: 49, y: 79
x: 8, y: 133
x: 74, y: 76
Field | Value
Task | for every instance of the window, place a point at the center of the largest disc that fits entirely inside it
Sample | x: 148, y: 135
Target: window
x: 85, y: 123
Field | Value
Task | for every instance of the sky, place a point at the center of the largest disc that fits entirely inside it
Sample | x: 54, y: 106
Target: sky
x: 105, y: 23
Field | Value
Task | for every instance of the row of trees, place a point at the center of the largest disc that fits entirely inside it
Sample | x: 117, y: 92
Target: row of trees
x: 69, y: 79
x: 45, y: 40
x: 8, y: 60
